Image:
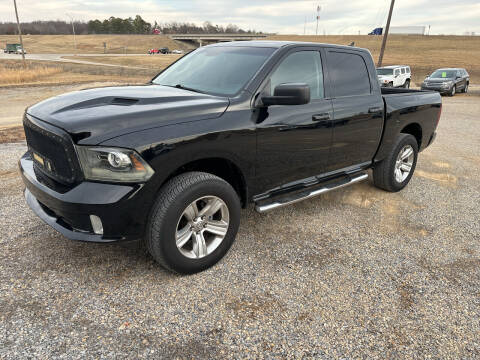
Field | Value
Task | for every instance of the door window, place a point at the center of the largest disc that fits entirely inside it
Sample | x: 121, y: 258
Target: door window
x: 349, y: 74
x: 397, y: 72
x: 300, y: 67
x: 403, y: 70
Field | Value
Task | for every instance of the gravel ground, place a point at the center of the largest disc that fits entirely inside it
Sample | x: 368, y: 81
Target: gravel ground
x: 356, y: 273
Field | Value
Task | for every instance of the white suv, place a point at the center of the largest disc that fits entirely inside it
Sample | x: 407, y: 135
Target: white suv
x: 394, y: 76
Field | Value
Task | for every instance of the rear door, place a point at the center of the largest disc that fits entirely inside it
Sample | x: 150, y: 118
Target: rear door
x: 293, y: 141
x: 357, y: 106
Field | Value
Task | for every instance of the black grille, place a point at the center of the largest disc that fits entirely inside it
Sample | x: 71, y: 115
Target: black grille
x: 56, y: 149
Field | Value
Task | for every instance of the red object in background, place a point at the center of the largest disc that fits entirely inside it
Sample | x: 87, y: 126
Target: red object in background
x: 156, y: 31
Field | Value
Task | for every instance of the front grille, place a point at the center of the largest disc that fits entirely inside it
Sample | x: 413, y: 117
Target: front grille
x: 55, y: 148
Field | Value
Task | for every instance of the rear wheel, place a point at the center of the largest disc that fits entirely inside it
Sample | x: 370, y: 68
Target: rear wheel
x: 465, y: 89
x: 407, y: 84
x: 395, y: 171
x: 193, y: 222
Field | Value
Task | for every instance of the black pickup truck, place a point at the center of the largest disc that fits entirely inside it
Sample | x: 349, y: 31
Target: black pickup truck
x: 172, y: 162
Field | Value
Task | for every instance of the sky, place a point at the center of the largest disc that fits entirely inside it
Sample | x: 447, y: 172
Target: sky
x: 273, y: 16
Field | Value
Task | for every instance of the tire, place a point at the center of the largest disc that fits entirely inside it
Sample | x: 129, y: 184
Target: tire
x: 384, y: 172
x: 453, y: 91
x: 407, y: 84
x: 390, y: 84
x: 465, y: 89
x: 169, y: 222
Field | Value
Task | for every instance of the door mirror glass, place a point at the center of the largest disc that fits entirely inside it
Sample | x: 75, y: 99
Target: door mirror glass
x: 288, y: 94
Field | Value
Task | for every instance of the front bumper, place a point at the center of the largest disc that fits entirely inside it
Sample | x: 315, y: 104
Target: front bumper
x: 120, y: 207
x: 438, y: 88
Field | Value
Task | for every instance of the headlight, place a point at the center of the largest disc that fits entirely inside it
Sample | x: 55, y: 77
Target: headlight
x: 113, y: 164
x: 447, y: 83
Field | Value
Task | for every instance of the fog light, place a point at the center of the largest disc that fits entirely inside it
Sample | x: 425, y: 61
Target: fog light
x: 96, y: 224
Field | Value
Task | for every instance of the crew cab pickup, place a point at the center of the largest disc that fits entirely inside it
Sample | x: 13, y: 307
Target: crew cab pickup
x: 172, y: 162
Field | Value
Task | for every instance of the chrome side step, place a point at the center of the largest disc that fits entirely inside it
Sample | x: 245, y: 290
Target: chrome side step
x: 294, y: 198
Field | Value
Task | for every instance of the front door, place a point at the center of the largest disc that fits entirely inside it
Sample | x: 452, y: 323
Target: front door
x: 293, y: 141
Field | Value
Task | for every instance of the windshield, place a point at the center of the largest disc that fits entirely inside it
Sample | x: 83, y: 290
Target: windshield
x: 222, y: 70
x: 439, y: 74
x: 385, y: 71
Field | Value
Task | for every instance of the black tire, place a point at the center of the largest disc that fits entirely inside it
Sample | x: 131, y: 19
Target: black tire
x: 172, y: 200
x: 453, y: 90
x: 407, y: 84
x: 465, y: 89
x: 390, y: 84
x: 384, y: 171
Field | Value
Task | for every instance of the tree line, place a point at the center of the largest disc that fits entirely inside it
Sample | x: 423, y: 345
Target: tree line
x: 115, y: 25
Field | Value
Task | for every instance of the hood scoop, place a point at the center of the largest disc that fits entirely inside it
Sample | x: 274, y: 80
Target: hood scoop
x: 123, y: 101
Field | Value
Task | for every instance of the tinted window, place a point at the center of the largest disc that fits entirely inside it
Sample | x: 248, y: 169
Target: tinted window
x: 397, y: 71
x: 221, y: 70
x: 348, y: 73
x: 300, y: 67
x: 403, y: 70
x: 408, y: 70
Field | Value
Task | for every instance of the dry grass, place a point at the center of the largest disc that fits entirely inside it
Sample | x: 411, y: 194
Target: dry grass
x: 12, y: 76
x: 11, y: 134
x: 423, y: 53
x: 55, y: 73
x: 156, y: 62
x: 93, y: 44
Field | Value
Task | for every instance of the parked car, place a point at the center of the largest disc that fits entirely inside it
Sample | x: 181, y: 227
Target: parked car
x: 174, y: 161
x: 177, y: 51
x: 447, y: 81
x: 394, y: 76
x: 163, y: 50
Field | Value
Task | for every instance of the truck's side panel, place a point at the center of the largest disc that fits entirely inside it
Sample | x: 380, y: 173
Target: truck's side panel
x: 407, y: 108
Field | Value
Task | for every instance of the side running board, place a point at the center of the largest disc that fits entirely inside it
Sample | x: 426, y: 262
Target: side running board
x: 293, y: 198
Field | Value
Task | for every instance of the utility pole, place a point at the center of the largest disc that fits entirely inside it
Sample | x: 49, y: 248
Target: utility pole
x: 20, y: 34
x: 318, y: 17
x: 73, y: 29
x: 385, y: 35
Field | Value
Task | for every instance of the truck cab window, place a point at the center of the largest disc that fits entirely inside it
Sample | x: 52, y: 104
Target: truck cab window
x: 349, y: 74
x: 300, y: 67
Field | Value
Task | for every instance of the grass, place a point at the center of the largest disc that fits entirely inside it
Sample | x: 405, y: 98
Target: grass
x: 93, y: 44
x: 422, y: 53
x: 55, y: 73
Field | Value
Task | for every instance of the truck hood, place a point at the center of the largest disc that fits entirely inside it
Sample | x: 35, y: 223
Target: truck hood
x: 385, y: 77
x: 438, y: 80
x: 96, y: 115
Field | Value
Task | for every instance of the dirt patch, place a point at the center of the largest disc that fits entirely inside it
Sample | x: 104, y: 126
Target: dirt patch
x: 256, y: 306
x: 444, y: 179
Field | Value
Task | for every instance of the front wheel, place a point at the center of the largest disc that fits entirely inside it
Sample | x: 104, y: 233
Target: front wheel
x: 395, y: 171
x: 453, y: 91
x: 193, y: 222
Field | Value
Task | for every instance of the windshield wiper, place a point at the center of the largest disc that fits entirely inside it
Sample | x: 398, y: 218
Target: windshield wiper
x: 180, y: 86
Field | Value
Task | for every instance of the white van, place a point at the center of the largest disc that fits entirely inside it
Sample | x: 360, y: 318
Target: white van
x: 394, y: 76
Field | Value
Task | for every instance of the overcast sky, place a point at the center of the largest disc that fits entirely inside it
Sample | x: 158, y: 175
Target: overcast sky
x: 280, y: 16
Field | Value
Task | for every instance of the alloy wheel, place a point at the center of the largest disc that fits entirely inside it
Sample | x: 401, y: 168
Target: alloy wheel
x: 202, y: 227
x: 404, y: 163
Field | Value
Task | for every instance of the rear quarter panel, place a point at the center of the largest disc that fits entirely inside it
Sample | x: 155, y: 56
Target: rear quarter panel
x: 405, y: 108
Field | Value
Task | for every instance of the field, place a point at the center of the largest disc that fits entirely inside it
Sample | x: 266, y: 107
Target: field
x: 92, y: 44
x: 422, y: 53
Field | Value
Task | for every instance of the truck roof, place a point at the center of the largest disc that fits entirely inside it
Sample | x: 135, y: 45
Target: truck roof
x: 280, y: 44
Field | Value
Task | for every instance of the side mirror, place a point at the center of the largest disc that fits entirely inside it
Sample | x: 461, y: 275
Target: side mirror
x: 288, y: 94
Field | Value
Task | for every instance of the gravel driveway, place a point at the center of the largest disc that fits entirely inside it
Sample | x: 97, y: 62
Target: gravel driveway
x: 354, y: 273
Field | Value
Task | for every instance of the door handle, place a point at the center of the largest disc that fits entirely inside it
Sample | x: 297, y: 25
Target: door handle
x: 375, y: 110
x: 321, y: 117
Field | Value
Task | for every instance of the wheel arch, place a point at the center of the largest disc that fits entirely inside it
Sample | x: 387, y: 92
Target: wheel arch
x: 414, y: 129
x: 224, y: 168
